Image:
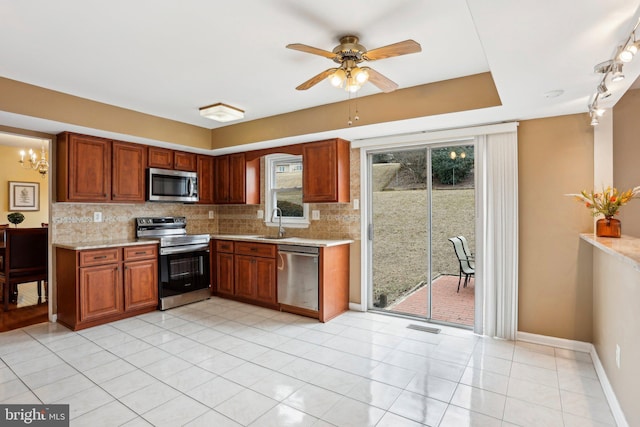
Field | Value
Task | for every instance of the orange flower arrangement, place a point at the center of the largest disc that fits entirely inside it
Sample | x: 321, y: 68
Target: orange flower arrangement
x: 607, y: 202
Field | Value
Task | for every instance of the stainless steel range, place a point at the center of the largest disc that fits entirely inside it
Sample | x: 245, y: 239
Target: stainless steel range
x: 184, y: 260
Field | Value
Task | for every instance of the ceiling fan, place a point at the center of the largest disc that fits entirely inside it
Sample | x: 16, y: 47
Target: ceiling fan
x: 348, y: 54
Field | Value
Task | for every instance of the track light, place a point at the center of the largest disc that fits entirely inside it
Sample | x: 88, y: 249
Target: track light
x: 617, y: 75
x: 594, y: 119
x: 603, y: 91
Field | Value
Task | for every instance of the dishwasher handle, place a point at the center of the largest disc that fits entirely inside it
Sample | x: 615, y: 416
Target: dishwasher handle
x: 298, y: 254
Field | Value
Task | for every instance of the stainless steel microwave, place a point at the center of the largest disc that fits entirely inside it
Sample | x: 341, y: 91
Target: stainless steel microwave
x: 164, y: 185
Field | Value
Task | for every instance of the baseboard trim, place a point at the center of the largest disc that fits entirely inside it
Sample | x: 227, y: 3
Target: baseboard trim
x: 585, y: 347
x: 582, y: 346
x: 356, y: 307
x: 616, y: 410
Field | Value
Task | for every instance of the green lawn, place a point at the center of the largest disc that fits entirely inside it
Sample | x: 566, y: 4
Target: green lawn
x: 401, y: 236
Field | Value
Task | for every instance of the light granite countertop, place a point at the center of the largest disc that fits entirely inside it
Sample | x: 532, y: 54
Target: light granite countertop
x: 83, y: 246
x: 626, y: 248
x: 299, y: 241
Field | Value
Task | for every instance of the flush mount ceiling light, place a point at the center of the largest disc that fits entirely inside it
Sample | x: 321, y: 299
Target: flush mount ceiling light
x: 612, y: 69
x: 222, y: 112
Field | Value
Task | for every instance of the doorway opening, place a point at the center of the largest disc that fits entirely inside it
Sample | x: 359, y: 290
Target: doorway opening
x: 421, y: 209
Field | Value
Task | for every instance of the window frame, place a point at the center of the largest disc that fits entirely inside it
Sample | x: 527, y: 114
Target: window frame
x: 271, y: 220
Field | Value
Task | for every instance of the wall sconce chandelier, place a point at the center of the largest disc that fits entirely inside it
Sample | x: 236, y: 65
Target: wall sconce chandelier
x: 41, y: 165
x: 612, y: 70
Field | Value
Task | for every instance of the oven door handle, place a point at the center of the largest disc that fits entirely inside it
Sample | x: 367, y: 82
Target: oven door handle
x: 184, y: 249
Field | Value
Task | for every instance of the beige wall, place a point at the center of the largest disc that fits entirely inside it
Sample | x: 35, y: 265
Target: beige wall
x: 616, y: 295
x: 555, y: 158
x: 10, y: 170
x: 626, y: 153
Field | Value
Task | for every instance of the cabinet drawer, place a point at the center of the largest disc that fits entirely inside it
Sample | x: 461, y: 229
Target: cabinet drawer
x: 132, y: 253
x: 99, y: 256
x: 224, y: 246
x: 256, y: 249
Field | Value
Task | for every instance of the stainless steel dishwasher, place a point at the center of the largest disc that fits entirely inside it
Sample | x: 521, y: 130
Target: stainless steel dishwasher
x: 298, y: 276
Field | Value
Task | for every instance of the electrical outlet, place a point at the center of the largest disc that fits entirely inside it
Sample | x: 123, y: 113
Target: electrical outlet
x: 211, y: 215
x: 618, y: 356
x: 97, y: 217
x: 356, y: 204
x: 315, y: 215
x: 260, y: 214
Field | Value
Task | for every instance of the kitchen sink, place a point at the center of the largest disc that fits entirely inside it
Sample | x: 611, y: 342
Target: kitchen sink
x: 269, y: 237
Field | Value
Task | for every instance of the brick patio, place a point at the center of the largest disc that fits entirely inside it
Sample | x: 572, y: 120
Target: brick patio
x: 448, y: 305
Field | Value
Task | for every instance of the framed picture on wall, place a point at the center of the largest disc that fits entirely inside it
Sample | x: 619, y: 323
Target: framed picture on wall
x: 24, y: 196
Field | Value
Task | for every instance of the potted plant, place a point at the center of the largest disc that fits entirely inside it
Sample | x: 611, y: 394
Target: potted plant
x: 15, y: 218
x: 607, y: 203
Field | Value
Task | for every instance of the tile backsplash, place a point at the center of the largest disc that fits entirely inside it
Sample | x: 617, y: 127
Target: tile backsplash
x: 73, y: 222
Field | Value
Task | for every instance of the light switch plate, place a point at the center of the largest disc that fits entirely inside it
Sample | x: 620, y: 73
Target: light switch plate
x: 356, y: 204
x: 315, y: 215
x: 97, y: 217
x: 260, y: 214
x: 211, y: 215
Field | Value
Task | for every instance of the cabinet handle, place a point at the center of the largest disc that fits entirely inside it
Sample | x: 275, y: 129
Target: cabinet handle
x: 100, y: 257
x: 141, y: 253
x: 254, y: 249
x: 104, y: 195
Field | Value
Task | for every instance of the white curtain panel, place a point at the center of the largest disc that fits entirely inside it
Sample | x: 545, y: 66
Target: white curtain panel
x: 497, y: 235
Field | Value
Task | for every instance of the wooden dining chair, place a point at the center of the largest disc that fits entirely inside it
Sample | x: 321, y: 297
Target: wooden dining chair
x: 25, y: 260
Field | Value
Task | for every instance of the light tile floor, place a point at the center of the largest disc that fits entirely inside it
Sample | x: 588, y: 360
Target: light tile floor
x: 223, y: 363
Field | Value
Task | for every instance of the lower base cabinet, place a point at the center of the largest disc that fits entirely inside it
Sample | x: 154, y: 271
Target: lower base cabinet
x: 102, y: 285
x: 246, y: 272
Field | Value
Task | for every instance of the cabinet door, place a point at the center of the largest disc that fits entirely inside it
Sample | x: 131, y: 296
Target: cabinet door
x: 325, y: 171
x: 88, y: 169
x: 140, y: 284
x: 224, y: 273
x: 245, y: 267
x: 205, y: 179
x: 129, y: 162
x: 266, y: 279
x: 100, y: 292
x: 160, y: 158
x: 184, y: 161
x: 221, y: 179
x: 237, y: 178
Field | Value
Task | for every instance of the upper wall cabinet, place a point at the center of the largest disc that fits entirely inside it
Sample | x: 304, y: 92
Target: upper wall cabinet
x: 92, y: 169
x: 325, y: 171
x: 184, y: 161
x: 237, y: 181
x: 83, y: 168
x: 205, y: 179
x: 165, y: 158
x: 160, y: 158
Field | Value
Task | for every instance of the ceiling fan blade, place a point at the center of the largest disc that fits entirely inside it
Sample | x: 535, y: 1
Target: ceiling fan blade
x: 383, y: 83
x: 396, y: 49
x: 316, y: 79
x: 311, y: 49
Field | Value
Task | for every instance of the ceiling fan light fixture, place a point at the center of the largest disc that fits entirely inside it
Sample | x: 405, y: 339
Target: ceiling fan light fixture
x: 361, y: 75
x: 336, y: 79
x: 222, y: 112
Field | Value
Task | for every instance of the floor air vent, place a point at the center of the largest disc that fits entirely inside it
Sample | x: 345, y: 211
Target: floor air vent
x: 424, y: 329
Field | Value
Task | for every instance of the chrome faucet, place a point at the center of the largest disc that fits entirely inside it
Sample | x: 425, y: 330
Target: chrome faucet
x: 280, y: 227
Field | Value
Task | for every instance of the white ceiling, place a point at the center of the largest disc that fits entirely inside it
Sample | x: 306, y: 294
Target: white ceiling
x: 168, y: 58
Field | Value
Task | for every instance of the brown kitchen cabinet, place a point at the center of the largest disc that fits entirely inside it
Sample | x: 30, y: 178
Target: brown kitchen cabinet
x: 92, y: 169
x: 102, y: 285
x: 237, y: 181
x: 83, y: 168
x: 224, y: 267
x: 325, y: 171
x: 205, y: 179
x: 184, y: 161
x: 161, y: 158
x: 247, y: 272
x: 127, y: 177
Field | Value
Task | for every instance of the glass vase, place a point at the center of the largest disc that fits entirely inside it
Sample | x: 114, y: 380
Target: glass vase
x: 608, y: 227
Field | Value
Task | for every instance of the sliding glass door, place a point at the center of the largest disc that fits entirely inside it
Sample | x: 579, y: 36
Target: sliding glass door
x: 420, y: 201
